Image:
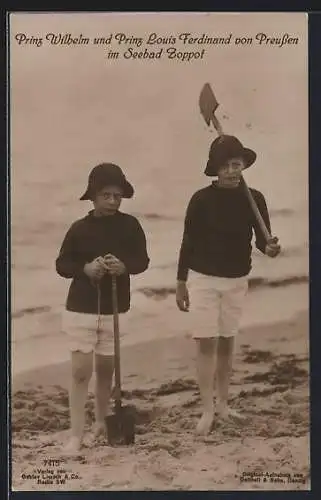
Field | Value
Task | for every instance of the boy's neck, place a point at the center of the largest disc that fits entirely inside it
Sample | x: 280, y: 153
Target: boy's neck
x: 98, y: 213
x: 224, y: 186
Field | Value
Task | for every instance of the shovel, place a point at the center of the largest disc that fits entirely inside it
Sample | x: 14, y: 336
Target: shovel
x: 120, y: 425
x: 208, y: 105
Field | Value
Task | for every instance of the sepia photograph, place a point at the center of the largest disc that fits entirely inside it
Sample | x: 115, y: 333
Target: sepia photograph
x: 159, y: 183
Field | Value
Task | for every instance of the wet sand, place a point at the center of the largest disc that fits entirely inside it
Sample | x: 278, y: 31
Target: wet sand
x: 270, y: 386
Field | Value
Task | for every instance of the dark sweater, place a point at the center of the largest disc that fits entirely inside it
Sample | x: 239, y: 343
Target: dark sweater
x: 121, y: 235
x: 218, y: 231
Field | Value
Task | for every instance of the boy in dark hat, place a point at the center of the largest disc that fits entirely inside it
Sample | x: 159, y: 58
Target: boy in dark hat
x: 105, y: 242
x: 216, y: 250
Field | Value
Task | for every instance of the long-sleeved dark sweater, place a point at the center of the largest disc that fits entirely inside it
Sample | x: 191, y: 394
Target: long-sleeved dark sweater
x: 119, y: 234
x: 218, y: 231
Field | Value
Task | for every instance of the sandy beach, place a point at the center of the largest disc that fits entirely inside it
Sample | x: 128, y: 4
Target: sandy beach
x: 269, y: 386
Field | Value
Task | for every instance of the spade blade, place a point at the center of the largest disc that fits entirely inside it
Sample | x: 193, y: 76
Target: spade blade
x: 120, y: 426
x: 207, y: 103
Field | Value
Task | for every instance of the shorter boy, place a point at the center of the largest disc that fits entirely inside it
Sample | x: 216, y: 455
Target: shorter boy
x: 103, y: 243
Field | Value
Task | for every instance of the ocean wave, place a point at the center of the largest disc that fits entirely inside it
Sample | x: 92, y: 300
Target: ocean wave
x: 274, y: 212
x: 154, y: 292
x: 291, y: 251
x: 254, y: 283
x: 31, y: 310
x: 156, y: 216
x: 163, y: 292
x: 258, y: 282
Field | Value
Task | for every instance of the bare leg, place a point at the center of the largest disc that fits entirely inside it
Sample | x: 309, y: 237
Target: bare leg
x: 225, y: 349
x: 81, y: 372
x: 104, y: 377
x: 205, y: 370
x: 230, y: 315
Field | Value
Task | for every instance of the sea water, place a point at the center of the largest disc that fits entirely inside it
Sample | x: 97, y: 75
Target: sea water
x: 71, y: 110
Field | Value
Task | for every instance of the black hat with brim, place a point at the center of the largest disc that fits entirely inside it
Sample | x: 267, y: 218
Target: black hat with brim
x: 224, y: 148
x: 107, y: 174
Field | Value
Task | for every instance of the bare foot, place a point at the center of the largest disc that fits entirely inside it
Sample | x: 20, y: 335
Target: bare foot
x: 98, y: 435
x: 73, y: 446
x: 205, y: 423
x: 225, y: 412
x: 99, y: 429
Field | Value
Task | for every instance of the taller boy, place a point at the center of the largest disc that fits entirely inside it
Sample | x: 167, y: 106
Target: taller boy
x: 218, y: 230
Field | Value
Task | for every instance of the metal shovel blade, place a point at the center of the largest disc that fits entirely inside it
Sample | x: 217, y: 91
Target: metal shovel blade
x: 207, y: 103
x: 121, y: 427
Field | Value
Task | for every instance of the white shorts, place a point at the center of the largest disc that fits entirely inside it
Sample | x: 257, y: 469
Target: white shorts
x: 82, y: 335
x: 216, y: 305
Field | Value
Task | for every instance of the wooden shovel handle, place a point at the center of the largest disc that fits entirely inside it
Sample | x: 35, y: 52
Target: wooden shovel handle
x: 116, y: 342
x: 257, y: 214
x: 249, y: 196
x: 217, y: 125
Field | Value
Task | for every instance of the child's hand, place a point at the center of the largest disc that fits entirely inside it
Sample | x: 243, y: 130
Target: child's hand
x: 96, y: 269
x: 272, y: 248
x: 182, y: 296
x: 114, y: 265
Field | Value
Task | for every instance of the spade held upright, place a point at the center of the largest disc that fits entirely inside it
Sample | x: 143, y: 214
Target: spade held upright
x: 121, y: 424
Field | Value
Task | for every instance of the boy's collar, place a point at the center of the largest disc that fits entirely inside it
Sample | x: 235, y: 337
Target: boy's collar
x: 216, y: 185
x: 92, y: 215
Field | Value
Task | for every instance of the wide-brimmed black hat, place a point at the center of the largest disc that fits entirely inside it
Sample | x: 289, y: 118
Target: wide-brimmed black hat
x: 224, y: 148
x: 107, y: 174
